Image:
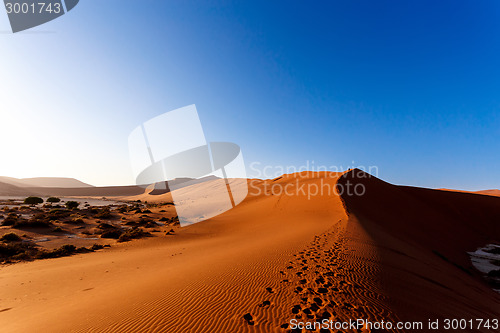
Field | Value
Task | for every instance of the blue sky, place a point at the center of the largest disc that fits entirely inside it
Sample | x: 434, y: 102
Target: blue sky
x: 410, y: 87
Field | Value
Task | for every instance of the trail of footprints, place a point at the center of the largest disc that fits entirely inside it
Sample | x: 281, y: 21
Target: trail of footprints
x: 323, y: 284
x: 322, y: 292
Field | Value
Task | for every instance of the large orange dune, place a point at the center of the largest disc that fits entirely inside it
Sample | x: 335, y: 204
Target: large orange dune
x: 394, y: 253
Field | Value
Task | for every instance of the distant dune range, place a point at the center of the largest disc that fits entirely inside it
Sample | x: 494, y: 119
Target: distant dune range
x: 44, y: 182
x: 74, y: 188
x: 395, y: 253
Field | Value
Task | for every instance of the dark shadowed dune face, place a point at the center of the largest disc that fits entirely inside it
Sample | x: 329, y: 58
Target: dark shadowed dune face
x: 423, y: 237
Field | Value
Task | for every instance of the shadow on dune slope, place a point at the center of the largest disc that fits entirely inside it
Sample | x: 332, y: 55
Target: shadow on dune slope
x: 422, y: 237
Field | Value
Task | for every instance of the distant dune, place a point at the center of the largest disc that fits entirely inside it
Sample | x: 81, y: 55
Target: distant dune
x: 75, y: 188
x: 394, y: 253
x: 495, y: 193
x: 45, y: 182
x: 12, y: 190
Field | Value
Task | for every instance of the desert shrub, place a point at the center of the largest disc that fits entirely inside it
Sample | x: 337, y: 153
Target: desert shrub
x: 136, y: 210
x: 146, y: 211
x: 11, y: 219
x: 122, y: 209
x: 10, y: 237
x: 96, y: 247
x: 104, y: 213
x: 72, y: 204
x: 33, y: 200
x: 93, y: 211
x: 58, y: 229
x: 75, y: 220
x: 63, y: 251
x: 83, y: 249
x: 114, y: 234
x: 172, y: 221
x: 56, y: 214
x: 53, y: 200
x: 39, y: 220
x: 17, y: 251
x: 148, y: 223
x: 133, y: 233
x: 106, y: 226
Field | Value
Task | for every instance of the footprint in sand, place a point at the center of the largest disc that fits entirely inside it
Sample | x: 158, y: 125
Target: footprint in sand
x: 322, y: 290
x: 318, y: 301
x: 249, y: 319
x: 265, y: 304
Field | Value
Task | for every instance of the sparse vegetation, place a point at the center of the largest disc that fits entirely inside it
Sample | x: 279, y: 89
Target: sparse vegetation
x: 96, y: 247
x: 57, y: 214
x: 17, y: 251
x: 58, y: 229
x: 133, y: 233
x: 10, y: 220
x: 72, y: 205
x: 52, y: 218
x: 10, y: 237
x: 39, y: 220
x: 104, y: 213
x: 63, y: 251
x: 33, y: 201
x: 114, y: 234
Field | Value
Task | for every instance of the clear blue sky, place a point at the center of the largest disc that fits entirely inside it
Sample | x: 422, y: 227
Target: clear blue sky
x: 412, y: 87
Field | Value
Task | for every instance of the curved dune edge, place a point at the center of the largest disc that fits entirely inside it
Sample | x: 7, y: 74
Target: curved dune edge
x: 422, y: 238
x: 276, y: 257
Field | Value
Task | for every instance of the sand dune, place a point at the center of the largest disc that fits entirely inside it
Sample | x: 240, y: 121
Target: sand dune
x: 45, y: 182
x: 396, y: 253
x: 495, y: 193
x: 69, y: 187
x: 422, y: 238
x: 13, y: 190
